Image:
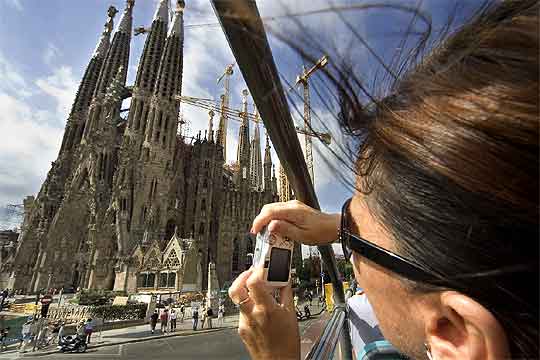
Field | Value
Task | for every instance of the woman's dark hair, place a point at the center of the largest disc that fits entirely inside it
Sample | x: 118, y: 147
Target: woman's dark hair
x: 448, y: 153
x: 450, y: 164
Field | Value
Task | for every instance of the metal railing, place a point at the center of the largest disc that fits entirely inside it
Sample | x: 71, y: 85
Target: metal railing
x: 327, y: 345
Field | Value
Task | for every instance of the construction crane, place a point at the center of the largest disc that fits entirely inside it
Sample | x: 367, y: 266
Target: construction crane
x: 225, y: 98
x: 303, y: 79
x: 237, y: 115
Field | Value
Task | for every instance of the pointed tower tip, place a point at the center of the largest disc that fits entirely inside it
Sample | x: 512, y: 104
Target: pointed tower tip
x: 162, y: 11
x: 125, y: 23
x: 104, y: 40
x: 177, y: 26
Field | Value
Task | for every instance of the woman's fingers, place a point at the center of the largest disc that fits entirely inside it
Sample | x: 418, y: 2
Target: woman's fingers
x: 259, y: 291
x: 238, y: 291
x: 285, y: 229
x: 292, y: 211
x: 286, y: 297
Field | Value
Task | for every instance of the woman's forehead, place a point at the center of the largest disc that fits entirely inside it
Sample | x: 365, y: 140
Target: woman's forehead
x: 364, y: 223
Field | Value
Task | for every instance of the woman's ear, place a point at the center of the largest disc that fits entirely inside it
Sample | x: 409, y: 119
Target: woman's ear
x: 461, y: 328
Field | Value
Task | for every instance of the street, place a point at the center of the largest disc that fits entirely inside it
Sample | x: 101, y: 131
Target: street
x: 221, y: 343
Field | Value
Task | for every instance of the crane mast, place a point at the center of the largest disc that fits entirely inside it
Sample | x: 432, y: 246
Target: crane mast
x: 304, y: 80
x: 307, y: 125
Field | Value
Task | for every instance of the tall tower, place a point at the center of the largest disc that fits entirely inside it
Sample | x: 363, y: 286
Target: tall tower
x: 146, y: 76
x: 77, y: 116
x: 267, y: 166
x: 211, y: 126
x: 255, y: 154
x: 99, y: 159
x: 128, y: 222
x: 117, y: 57
x: 159, y: 144
x: 242, y: 154
x: 32, y: 249
x: 222, y: 127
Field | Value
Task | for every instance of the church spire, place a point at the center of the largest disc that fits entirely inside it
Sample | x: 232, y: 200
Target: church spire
x: 127, y: 18
x: 242, y: 155
x: 105, y: 39
x: 169, y: 78
x: 83, y: 97
x: 153, y: 48
x: 267, y: 165
x: 177, y: 27
x: 118, y: 53
x: 255, y: 153
x: 162, y: 124
x: 211, y: 126
x: 162, y: 11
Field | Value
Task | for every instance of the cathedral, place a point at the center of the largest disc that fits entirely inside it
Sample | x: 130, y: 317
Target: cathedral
x: 129, y: 204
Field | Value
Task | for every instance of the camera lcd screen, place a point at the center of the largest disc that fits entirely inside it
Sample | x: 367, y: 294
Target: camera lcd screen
x: 280, y: 260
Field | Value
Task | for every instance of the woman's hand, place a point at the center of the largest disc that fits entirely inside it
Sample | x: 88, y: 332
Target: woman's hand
x: 298, y: 222
x: 268, y: 329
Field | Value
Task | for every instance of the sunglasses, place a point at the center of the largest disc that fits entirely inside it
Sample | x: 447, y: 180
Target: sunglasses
x: 382, y: 257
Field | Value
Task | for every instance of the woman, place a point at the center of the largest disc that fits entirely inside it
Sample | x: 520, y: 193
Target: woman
x: 442, y: 230
x: 172, y: 317
x: 88, y: 329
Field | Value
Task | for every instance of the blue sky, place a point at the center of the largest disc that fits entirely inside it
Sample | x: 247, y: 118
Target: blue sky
x: 46, y: 45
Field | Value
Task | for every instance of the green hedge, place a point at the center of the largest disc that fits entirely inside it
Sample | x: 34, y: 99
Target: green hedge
x: 119, y: 312
x: 95, y: 297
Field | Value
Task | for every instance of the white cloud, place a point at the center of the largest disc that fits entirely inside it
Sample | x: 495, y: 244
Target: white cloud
x: 28, y: 146
x: 51, y: 53
x: 11, y: 80
x: 31, y: 132
x: 16, y: 4
x: 62, y: 86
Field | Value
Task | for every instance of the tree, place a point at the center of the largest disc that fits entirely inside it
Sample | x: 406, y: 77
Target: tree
x: 345, y: 269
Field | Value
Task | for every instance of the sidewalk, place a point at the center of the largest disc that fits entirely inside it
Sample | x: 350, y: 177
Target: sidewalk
x: 309, y: 332
x: 133, y: 334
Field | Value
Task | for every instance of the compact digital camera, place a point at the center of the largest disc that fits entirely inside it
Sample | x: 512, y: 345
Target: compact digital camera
x: 274, y: 253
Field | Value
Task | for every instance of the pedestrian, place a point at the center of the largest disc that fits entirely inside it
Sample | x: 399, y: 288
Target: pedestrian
x: 296, y: 302
x: 26, y: 333
x: 172, y: 318
x: 182, y: 313
x: 195, y: 316
x: 221, y: 314
x: 80, y: 330
x: 164, y: 317
x: 61, y: 331
x: 203, y: 314
x: 88, y: 329
x: 209, y: 315
x: 153, y: 321
x: 3, y: 296
x: 3, y: 338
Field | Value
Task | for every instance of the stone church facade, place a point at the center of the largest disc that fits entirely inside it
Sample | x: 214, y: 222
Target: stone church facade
x: 129, y: 204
